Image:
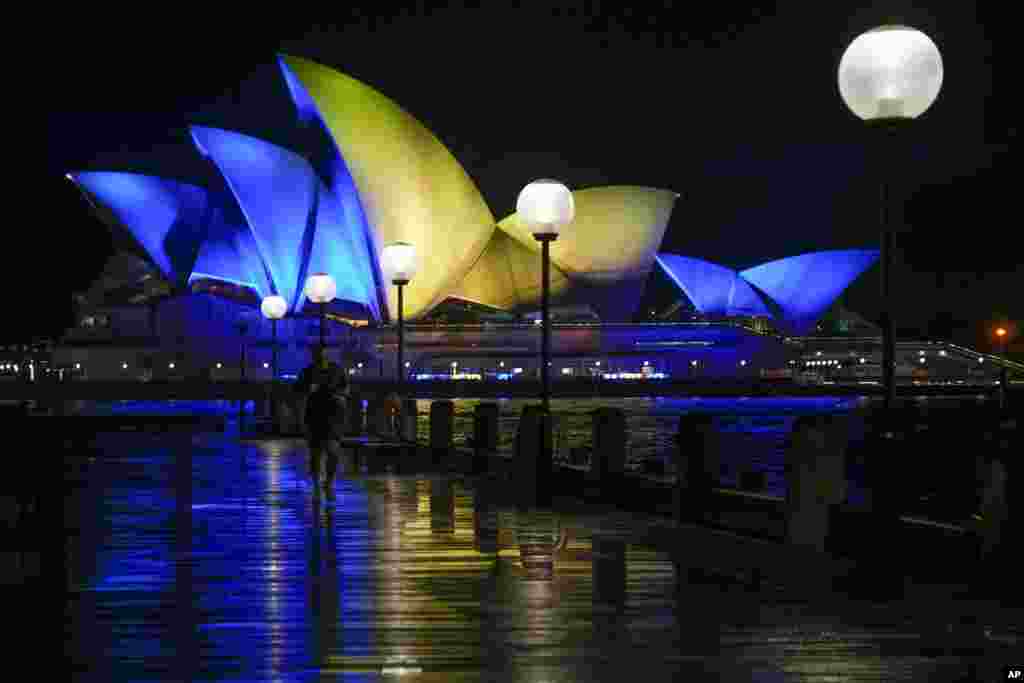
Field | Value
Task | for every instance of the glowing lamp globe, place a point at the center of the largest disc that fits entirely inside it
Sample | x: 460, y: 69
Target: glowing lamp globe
x: 890, y: 72
x: 546, y: 206
x: 398, y: 261
x: 321, y: 288
x: 273, y: 307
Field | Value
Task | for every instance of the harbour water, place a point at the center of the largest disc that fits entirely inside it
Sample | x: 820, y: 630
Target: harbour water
x: 752, y: 432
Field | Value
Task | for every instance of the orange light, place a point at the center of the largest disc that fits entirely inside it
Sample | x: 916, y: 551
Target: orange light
x: 1000, y: 331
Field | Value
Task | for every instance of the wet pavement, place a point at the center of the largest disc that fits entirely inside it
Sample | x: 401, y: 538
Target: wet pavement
x: 202, y: 558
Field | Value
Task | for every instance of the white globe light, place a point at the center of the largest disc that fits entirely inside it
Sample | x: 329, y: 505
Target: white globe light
x: 546, y: 206
x: 320, y: 288
x: 398, y: 261
x: 890, y: 72
x: 273, y: 307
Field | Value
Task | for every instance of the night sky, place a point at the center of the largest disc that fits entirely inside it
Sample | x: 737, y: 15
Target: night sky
x: 735, y: 108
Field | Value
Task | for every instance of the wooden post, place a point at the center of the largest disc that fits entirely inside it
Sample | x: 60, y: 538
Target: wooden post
x: 485, y: 435
x: 442, y: 426
x: 407, y: 420
x: 607, y: 463
x: 697, y: 467
x: 378, y: 419
x: 817, y: 480
x: 355, y: 414
x: 532, y: 470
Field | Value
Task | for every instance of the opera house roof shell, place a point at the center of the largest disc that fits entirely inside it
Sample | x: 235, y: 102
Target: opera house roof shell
x: 351, y: 171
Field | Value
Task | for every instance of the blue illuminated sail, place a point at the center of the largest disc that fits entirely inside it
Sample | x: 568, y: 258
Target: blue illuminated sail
x: 165, y: 217
x: 299, y: 226
x: 805, y: 286
x: 713, y: 289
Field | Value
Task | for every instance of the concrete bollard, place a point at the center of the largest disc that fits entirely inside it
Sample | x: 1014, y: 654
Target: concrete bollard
x: 532, y: 462
x: 442, y: 426
x: 355, y: 415
x: 697, y: 468
x: 817, y: 480
x: 608, y: 458
x: 407, y: 420
x: 485, y: 435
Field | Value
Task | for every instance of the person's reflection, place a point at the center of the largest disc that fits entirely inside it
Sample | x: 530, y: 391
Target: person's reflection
x: 323, y: 584
x: 442, y: 506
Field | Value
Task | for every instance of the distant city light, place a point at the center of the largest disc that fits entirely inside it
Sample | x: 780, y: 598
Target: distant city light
x: 266, y: 365
x: 219, y: 366
x: 693, y: 363
x: 920, y: 353
x: 818, y: 353
x: 516, y: 371
x: 597, y: 362
x: 407, y: 363
x: 170, y: 365
x: 566, y: 371
x: 922, y: 359
x: 981, y: 360
x: 359, y: 365
x: 863, y: 360
x: 78, y: 366
x: 645, y: 363
x: 743, y: 362
x: 454, y: 364
x: 124, y: 366
x: 501, y: 364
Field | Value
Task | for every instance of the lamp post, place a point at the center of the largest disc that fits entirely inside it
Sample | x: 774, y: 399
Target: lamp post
x: 1001, y: 335
x: 545, y: 206
x: 321, y: 289
x: 273, y: 308
x: 888, y: 77
x: 399, y: 263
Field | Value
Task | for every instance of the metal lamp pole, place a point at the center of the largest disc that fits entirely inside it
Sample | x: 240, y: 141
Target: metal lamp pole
x: 545, y: 305
x: 400, y: 369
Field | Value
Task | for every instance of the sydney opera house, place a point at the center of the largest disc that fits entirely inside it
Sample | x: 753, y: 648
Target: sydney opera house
x: 348, y: 172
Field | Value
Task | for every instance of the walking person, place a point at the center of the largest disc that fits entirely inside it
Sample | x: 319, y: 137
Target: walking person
x: 324, y: 417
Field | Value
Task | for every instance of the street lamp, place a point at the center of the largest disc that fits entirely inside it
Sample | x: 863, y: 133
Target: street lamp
x: 274, y: 308
x: 398, y: 261
x: 321, y: 289
x: 889, y: 76
x: 545, y: 206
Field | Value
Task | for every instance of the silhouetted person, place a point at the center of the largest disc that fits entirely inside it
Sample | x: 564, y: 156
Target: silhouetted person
x: 324, y: 416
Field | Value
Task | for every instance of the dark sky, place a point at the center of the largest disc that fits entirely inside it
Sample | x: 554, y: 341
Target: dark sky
x: 736, y: 108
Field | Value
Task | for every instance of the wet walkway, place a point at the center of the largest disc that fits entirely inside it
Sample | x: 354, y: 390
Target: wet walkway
x: 242, y: 576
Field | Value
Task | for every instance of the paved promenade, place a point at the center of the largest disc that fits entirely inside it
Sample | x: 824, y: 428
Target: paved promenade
x: 202, y: 558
